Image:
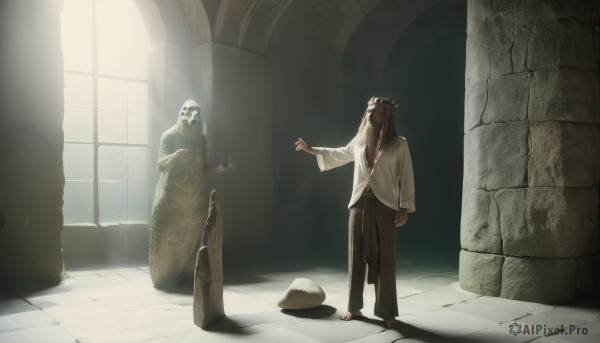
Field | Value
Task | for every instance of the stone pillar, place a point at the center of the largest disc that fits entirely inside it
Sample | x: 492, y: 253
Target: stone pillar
x: 31, y: 142
x: 529, y: 227
x: 235, y: 95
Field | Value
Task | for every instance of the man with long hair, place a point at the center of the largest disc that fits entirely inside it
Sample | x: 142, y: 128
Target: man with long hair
x: 383, y: 195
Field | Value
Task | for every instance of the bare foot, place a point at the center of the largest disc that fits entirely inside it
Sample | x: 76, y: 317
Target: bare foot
x: 350, y: 315
x: 390, y: 322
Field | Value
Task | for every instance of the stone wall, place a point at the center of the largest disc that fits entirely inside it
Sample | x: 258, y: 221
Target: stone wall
x: 235, y: 95
x: 31, y: 142
x: 529, y: 227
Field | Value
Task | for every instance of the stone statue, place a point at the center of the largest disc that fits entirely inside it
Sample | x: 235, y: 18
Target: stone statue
x: 208, y: 280
x: 179, y: 208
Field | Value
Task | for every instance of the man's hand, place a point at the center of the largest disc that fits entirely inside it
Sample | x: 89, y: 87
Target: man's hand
x: 401, y: 217
x: 301, y: 145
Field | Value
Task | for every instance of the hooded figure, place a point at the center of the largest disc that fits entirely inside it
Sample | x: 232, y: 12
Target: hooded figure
x: 180, y: 200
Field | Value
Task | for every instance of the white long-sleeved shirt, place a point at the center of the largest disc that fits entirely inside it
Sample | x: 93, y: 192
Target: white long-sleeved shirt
x: 391, y: 179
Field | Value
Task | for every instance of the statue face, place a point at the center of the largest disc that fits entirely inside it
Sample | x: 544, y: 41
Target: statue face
x: 190, y: 113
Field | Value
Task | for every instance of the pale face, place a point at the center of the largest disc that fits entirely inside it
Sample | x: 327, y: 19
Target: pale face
x: 192, y: 115
x: 375, y: 114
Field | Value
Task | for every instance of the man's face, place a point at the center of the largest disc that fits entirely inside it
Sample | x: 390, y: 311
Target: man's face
x: 375, y: 114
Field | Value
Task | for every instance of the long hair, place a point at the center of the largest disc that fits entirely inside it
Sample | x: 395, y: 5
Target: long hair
x: 387, y: 132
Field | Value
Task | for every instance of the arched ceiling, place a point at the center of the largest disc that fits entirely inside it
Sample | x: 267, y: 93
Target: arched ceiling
x: 251, y: 24
x: 337, y: 42
x: 247, y: 24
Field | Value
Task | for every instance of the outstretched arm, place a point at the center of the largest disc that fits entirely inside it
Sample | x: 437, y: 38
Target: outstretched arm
x: 328, y: 158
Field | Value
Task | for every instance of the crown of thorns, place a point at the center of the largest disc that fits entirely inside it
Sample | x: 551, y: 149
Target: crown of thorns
x: 388, y: 103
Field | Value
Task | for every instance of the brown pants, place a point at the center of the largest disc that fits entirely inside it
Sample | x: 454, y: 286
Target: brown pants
x: 379, y: 219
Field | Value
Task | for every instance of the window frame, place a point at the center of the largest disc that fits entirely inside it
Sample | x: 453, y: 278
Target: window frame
x: 96, y: 143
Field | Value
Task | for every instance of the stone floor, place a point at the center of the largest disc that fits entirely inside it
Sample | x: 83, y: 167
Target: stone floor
x: 120, y: 305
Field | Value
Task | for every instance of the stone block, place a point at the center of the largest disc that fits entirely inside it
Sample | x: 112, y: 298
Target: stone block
x: 471, y: 168
x: 480, y: 273
x: 511, y: 208
x: 480, y: 223
x: 475, y: 102
x: 508, y: 97
x: 477, y: 12
x: 527, y: 12
x: 302, y: 294
x: 500, y: 42
x: 562, y: 42
x: 530, y: 11
x: 477, y: 67
x: 561, y: 223
x: 588, y: 276
x: 541, y: 280
x: 519, y: 49
x: 564, y: 154
x: 496, y: 156
x: 564, y: 94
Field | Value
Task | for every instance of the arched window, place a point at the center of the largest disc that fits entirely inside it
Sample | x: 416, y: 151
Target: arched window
x: 106, y: 125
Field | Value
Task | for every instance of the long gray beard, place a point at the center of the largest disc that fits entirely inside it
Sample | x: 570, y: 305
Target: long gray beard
x: 365, y: 135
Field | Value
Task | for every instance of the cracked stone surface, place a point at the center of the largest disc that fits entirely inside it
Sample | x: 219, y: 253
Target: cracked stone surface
x: 531, y: 164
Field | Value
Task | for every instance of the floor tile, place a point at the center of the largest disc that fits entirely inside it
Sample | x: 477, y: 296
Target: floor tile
x: 121, y: 305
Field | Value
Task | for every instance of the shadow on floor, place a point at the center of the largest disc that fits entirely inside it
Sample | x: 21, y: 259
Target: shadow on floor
x: 318, y: 312
x: 229, y: 325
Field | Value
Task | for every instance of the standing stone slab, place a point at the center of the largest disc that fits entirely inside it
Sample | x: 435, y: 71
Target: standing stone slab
x: 565, y: 94
x: 562, y: 42
x: 561, y: 223
x: 564, y: 154
x: 508, y: 97
x: 208, y: 305
x: 539, y: 280
x: 480, y: 223
x: 480, y: 273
